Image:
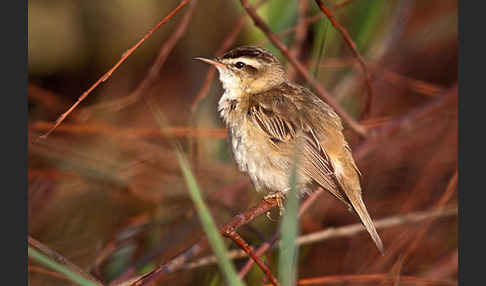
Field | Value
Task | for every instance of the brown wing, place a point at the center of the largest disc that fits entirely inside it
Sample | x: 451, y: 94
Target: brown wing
x: 287, y: 122
x: 284, y: 121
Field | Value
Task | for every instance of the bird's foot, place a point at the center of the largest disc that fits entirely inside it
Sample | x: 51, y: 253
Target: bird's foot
x: 280, y: 198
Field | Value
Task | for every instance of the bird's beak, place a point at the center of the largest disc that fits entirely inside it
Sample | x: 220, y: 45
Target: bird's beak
x: 213, y: 62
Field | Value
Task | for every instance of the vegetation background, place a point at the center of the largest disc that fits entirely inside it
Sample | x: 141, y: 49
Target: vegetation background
x: 106, y: 190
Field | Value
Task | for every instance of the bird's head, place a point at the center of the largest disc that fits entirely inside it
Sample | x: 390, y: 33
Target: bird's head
x: 248, y: 69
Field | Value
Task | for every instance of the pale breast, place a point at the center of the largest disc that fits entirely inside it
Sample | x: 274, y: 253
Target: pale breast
x: 252, y: 151
x: 254, y: 156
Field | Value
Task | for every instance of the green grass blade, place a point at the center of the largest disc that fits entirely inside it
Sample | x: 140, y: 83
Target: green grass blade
x: 76, y: 278
x: 287, y: 266
x: 320, y: 43
x: 366, y: 20
x: 209, y: 226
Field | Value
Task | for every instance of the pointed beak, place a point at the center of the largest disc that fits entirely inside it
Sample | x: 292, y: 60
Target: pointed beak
x: 213, y: 62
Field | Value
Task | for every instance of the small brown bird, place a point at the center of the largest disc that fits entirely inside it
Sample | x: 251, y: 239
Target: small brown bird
x: 267, y: 116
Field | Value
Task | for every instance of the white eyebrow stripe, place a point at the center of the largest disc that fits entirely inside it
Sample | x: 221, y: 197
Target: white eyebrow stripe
x: 251, y: 62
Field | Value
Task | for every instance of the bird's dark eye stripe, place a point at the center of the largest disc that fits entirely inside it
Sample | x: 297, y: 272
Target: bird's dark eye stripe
x: 247, y: 68
x: 250, y: 69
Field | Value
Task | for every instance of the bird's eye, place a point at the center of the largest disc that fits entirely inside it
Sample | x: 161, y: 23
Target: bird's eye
x: 239, y: 65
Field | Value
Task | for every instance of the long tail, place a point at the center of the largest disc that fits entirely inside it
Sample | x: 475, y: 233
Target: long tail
x: 360, y: 208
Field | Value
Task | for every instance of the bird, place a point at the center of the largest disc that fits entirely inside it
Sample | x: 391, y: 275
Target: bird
x: 270, y: 119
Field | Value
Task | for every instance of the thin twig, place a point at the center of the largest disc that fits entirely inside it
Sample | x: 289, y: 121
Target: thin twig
x: 61, y: 260
x: 258, y: 21
x: 344, y: 33
x: 109, y: 72
x: 246, y: 248
x: 262, y: 249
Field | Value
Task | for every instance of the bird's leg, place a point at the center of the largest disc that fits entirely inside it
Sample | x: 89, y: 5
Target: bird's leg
x: 280, y: 198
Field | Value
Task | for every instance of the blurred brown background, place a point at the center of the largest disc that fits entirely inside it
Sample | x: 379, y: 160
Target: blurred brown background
x: 105, y: 188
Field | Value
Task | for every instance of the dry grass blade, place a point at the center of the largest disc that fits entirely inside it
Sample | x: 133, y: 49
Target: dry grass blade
x: 144, y: 133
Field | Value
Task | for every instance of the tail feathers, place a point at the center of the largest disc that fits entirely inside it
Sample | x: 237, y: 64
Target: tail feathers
x: 360, y: 208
